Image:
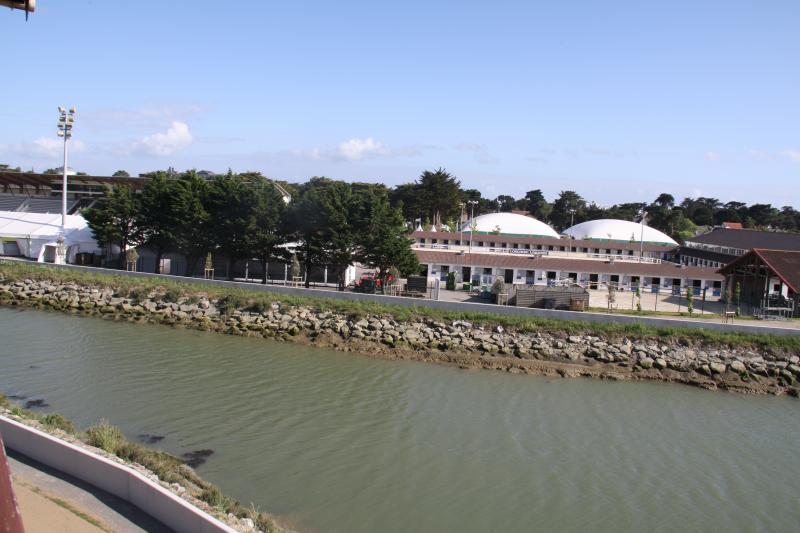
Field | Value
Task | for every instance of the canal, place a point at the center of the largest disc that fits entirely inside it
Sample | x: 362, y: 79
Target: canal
x: 329, y: 441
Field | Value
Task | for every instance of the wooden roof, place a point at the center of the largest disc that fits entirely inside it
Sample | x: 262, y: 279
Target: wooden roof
x: 783, y: 263
x: 662, y: 270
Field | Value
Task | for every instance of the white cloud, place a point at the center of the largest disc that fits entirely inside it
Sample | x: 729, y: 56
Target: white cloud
x: 42, y: 148
x: 712, y: 156
x: 176, y: 138
x: 794, y: 155
x: 355, y: 149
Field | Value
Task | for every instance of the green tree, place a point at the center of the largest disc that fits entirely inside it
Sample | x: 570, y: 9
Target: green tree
x: 230, y: 209
x: 194, y: 236
x: 114, y: 221
x: 164, y: 206
x: 120, y: 173
x: 567, y: 201
x: 537, y: 206
x: 439, y: 193
x: 385, y: 243
x: 264, y: 235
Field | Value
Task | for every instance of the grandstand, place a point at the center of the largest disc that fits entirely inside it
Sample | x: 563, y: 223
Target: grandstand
x: 11, y: 203
x: 38, y: 204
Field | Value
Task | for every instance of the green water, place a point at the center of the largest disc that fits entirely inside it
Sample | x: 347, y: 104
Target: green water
x: 339, y: 442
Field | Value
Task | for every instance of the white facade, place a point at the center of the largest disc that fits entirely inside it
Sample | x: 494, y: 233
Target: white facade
x: 34, y: 235
x: 618, y: 230
x: 509, y: 224
x: 542, y: 275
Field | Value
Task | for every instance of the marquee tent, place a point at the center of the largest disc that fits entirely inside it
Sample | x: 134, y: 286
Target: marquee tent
x: 34, y: 235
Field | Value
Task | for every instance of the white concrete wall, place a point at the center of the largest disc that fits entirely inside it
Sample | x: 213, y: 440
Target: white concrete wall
x: 117, y: 479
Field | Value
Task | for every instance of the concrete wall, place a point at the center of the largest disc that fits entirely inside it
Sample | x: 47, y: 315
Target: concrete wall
x: 464, y: 306
x: 112, y: 477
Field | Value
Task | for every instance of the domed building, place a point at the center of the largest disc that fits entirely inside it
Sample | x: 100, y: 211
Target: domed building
x: 509, y: 224
x: 608, y: 229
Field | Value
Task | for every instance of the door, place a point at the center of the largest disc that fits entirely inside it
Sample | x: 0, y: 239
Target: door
x: 466, y: 274
x: 508, y: 276
x: 593, y: 281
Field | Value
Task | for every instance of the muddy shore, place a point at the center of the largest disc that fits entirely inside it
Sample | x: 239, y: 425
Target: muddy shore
x: 745, y: 368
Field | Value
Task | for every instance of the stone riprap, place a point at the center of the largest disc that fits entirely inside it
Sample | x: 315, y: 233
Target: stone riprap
x: 744, y: 369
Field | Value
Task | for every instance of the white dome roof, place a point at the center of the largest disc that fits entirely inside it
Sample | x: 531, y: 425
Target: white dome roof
x: 608, y: 229
x: 509, y: 224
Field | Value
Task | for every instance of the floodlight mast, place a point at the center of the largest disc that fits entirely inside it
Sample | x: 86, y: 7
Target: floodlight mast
x: 66, y: 119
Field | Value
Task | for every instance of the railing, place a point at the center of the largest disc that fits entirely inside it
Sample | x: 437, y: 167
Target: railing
x: 538, y: 253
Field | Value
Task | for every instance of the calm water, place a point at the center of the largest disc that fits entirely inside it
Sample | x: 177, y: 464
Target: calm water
x: 338, y: 442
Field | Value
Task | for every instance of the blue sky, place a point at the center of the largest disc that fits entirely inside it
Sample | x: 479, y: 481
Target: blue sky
x: 618, y: 100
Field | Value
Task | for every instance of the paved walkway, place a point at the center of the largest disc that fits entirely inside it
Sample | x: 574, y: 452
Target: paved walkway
x: 52, y: 501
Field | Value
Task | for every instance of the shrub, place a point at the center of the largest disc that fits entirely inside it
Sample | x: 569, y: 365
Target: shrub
x: 230, y: 303
x: 690, y: 300
x: 57, y: 421
x: 105, y: 436
x: 450, y: 285
x: 499, y: 286
x: 172, y: 295
x: 139, y: 294
x: 213, y: 497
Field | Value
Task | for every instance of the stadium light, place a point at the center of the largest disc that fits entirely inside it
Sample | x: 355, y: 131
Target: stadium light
x: 66, y: 120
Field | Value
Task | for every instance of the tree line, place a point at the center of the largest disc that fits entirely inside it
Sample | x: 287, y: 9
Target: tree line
x: 437, y: 198
x: 244, y: 216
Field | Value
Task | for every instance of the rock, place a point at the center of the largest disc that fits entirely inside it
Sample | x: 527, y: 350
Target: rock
x: 645, y: 362
x: 575, y: 339
x: 247, y: 523
x: 717, y: 368
x: 660, y: 363
x: 738, y: 367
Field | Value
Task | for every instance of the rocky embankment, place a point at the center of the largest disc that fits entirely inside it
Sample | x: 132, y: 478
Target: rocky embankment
x: 738, y: 368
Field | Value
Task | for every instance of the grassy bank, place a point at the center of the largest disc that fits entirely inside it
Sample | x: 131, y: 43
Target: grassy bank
x: 234, y: 297
x: 167, y: 467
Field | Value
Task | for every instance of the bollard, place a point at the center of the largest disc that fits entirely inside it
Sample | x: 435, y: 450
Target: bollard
x: 10, y: 518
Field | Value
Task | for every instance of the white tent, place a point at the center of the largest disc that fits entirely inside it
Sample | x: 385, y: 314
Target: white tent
x: 34, y: 235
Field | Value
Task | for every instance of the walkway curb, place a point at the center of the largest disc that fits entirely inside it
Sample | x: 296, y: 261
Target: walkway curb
x: 117, y: 479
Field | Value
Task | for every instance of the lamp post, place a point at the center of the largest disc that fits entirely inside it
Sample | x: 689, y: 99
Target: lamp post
x: 461, y: 224
x: 472, y: 204
x: 571, y: 223
x: 65, y: 122
x: 641, y: 236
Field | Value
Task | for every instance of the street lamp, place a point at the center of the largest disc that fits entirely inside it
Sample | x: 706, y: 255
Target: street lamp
x: 461, y: 224
x: 641, y: 236
x: 571, y: 223
x: 66, y: 119
x: 472, y: 204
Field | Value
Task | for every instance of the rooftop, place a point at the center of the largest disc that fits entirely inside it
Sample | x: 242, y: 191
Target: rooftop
x: 784, y: 263
x: 747, y: 239
x: 664, y: 270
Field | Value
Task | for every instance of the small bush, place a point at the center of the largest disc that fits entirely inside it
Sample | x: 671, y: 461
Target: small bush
x: 4, y: 401
x: 172, y: 295
x: 57, y: 421
x: 105, y: 436
x: 139, y: 294
x: 230, y: 303
x: 259, y: 306
x: 499, y: 286
x: 213, y: 497
x: 193, y: 299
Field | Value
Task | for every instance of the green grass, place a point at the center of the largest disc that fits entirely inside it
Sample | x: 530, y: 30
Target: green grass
x: 234, y: 297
